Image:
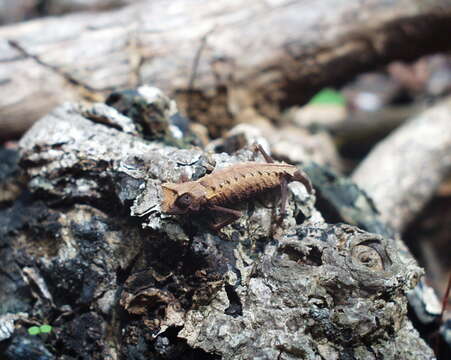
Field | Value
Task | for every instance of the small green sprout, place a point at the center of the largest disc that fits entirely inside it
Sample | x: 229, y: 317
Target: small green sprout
x: 328, y: 96
x: 43, y: 329
x: 34, y: 330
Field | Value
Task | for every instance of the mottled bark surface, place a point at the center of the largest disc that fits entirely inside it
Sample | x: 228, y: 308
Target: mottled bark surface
x: 88, y: 251
x: 217, y: 58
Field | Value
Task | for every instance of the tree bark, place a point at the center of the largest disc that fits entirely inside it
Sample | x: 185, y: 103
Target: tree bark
x: 216, y: 57
x: 76, y: 256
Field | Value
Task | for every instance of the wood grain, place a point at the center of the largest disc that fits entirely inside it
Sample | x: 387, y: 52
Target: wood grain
x: 216, y: 57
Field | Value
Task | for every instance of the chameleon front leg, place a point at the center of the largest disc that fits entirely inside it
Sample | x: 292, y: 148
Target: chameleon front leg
x: 233, y: 215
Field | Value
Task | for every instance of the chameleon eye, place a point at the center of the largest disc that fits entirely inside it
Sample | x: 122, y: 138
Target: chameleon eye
x: 183, y: 201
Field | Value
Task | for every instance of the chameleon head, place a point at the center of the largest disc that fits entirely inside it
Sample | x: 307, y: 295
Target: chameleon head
x: 182, y: 198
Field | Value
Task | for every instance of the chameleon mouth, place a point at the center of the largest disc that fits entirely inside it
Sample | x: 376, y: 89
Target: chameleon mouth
x: 170, y: 196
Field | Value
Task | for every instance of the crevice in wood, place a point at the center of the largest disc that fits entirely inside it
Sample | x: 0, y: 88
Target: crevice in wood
x: 65, y: 75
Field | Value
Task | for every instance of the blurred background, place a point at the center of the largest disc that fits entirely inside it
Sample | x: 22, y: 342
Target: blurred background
x: 335, y: 82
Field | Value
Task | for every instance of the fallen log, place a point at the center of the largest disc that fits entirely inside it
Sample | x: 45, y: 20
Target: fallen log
x: 404, y: 170
x: 216, y: 58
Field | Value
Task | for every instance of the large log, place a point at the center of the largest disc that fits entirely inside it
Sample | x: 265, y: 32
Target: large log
x: 217, y: 57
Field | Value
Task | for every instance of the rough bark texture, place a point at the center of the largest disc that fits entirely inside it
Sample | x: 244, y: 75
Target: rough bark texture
x: 76, y: 259
x: 217, y: 57
x: 404, y: 170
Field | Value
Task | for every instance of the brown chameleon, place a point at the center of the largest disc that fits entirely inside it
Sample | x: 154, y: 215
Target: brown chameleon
x: 231, y: 185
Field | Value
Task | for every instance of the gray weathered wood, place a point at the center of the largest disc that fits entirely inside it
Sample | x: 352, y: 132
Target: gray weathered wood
x: 402, y: 173
x: 12, y: 11
x: 233, y: 55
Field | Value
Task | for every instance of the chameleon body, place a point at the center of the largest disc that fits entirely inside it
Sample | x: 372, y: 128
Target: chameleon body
x: 230, y: 185
x: 227, y: 186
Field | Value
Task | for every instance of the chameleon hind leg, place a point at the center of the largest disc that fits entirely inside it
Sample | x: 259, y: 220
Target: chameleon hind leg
x: 283, y: 196
x: 268, y: 158
x: 283, y: 182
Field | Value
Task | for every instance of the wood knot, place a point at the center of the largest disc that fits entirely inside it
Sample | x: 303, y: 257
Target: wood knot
x: 367, y: 256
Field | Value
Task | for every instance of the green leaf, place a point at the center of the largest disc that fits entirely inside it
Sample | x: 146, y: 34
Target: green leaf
x: 34, y: 330
x: 45, y: 328
x: 327, y: 97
